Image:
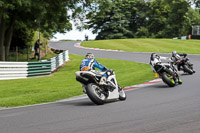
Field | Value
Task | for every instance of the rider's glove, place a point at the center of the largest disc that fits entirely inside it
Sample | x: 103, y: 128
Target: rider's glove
x: 110, y: 71
x: 184, y: 54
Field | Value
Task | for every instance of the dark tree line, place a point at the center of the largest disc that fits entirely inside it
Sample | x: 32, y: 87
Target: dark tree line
x: 113, y: 19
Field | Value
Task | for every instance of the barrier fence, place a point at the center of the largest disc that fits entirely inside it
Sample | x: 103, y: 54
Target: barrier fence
x: 188, y: 37
x: 17, y: 70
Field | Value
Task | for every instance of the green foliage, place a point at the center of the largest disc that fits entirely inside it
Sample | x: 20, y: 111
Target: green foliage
x: 23, y: 17
x: 167, y: 18
x: 195, y: 2
x: 142, y: 32
x: 117, y: 19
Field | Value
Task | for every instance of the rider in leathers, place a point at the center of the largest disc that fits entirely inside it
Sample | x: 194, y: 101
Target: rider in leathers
x: 156, y: 58
x: 160, y: 59
x: 89, y: 64
x: 176, y: 57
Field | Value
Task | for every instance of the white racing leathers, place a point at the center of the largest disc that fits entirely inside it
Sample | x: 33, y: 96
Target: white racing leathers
x: 166, y: 70
x: 160, y: 59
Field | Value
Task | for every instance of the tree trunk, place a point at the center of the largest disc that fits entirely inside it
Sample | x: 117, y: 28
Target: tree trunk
x: 7, y: 41
x: 1, y: 14
x: 2, y: 36
x: 27, y: 53
x: 16, y: 53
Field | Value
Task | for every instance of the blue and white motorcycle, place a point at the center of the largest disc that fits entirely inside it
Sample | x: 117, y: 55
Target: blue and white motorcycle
x: 99, y: 89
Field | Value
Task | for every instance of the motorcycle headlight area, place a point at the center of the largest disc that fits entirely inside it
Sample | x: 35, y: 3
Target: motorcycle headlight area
x: 158, y: 63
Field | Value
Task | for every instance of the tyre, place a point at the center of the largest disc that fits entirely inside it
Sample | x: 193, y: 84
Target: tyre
x: 95, y: 94
x: 187, y: 69
x: 122, y: 95
x: 168, y: 80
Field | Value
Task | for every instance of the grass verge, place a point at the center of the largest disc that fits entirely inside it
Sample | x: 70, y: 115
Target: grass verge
x: 148, y: 45
x: 62, y: 84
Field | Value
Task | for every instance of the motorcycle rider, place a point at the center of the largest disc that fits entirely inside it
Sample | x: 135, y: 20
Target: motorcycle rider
x: 177, y: 56
x: 154, y: 59
x: 89, y: 64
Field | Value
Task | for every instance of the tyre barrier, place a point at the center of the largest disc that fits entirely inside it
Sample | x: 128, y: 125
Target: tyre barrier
x: 18, y: 70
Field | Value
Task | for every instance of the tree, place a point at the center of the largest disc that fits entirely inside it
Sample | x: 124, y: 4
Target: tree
x: 137, y: 18
x: 157, y: 15
x: 7, y: 19
x: 29, y: 14
x: 195, y: 3
x: 167, y: 18
x: 177, y: 17
x: 192, y: 18
x: 117, y: 19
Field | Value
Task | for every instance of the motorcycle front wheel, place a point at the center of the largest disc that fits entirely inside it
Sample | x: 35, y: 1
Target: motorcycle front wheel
x: 95, y: 94
x: 122, y: 95
x: 168, y: 80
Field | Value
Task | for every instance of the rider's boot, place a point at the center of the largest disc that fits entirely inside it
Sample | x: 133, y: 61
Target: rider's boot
x: 84, y: 90
x: 194, y: 71
x: 103, y: 81
x: 179, y: 81
x: 120, y: 88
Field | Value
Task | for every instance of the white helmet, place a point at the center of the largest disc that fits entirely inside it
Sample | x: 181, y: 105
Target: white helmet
x: 89, y: 56
x: 174, y: 53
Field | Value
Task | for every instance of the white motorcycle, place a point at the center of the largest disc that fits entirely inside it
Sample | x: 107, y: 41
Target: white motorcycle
x: 164, y: 68
x: 98, y: 88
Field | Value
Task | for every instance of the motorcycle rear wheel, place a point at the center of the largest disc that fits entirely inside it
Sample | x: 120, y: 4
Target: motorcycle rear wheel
x: 187, y: 69
x: 95, y: 94
x: 170, y: 82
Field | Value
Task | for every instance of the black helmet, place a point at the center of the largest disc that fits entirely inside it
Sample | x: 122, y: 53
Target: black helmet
x: 154, y: 55
x: 174, y: 53
x: 89, y: 56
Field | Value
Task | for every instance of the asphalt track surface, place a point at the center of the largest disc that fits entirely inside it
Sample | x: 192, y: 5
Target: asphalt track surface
x: 153, y: 109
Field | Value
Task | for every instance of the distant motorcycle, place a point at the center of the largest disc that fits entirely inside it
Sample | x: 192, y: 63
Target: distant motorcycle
x: 98, y: 88
x: 185, y: 65
x: 165, y: 70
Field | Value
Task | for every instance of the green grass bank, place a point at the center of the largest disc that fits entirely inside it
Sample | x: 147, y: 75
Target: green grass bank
x: 62, y: 84
x: 148, y: 45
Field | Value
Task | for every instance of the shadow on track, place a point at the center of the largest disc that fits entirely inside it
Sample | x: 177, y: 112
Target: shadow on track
x: 85, y: 102
x: 78, y: 103
x: 185, y: 74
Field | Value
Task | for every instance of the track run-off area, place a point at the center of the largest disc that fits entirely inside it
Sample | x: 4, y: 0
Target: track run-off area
x: 153, y: 108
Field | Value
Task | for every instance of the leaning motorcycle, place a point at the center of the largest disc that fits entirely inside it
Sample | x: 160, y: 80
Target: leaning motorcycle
x: 167, y: 73
x: 185, y: 65
x: 98, y: 88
